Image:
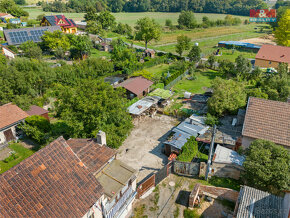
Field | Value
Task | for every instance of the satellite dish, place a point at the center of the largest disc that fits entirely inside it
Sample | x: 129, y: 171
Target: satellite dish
x: 196, y: 44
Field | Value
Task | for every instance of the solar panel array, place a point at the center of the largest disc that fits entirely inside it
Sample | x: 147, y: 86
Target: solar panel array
x: 20, y: 37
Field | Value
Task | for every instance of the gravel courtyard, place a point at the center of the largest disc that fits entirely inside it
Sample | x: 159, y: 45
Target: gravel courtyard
x: 142, y: 150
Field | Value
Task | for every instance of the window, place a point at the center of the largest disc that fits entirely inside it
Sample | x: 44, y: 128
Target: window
x: 270, y: 62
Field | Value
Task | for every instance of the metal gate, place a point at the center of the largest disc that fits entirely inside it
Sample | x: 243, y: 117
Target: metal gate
x: 145, y: 186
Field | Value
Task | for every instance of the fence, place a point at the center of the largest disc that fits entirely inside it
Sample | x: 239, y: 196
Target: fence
x: 154, y: 179
x: 186, y: 169
x: 172, y: 83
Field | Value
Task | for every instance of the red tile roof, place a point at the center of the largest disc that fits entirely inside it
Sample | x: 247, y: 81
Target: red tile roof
x: 268, y: 120
x: 51, y: 183
x: 10, y: 114
x: 276, y: 53
x: 35, y: 110
x: 93, y: 155
x: 136, y: 85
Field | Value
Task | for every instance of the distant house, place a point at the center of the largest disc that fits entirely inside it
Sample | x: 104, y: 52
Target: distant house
x: 226, y: 163
x: 53, y: 182
x: 66, y: 25
x: 149, y: 53
x: 4, y: 17
x: 7, y: 52
x: 255, y: 203
x: 136, y: 86
x: 15, y: 21
x: 10, y: 117
x: 35, y: 110
x: 268, y: 120
x: 270, y: 56
x: 19, y: 36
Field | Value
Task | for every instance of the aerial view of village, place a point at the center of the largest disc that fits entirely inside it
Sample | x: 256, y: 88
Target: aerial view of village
x: 145, y: 108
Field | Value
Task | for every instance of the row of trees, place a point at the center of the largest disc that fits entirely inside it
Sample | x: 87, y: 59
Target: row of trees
x: 242, y: 82
x: 84, y: 103
x: 202, y: 6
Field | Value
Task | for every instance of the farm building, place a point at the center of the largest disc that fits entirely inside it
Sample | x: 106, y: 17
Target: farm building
x: 7, y: 52
x: 66, y: 25
x: 136, y: 86
x: 270, y: 56
x: 268, y: 120
x: 237, y: 44
x: 35, y: 110
x: 192, y: 126
x: 19, y: 36
x: 226, y: 163
x: 10, y: 117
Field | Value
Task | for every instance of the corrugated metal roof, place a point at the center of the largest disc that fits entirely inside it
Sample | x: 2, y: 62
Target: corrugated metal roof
x: 189, y: 127
x: 258, y: 204
x: 225, y: 155
x: 142, y: 105
x: 242, y: 44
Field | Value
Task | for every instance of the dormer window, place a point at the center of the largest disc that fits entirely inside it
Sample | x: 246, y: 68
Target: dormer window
x: 61, y: 22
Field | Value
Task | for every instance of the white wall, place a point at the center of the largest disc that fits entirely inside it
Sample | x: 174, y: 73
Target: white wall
x: 8, y: 53
x: 2, y: 136
x: 96, y: 210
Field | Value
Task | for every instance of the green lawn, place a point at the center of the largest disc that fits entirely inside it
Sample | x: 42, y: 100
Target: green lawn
x: 196, y: 86
x: 228, y: 54
x: 99, y: 54
x: 22, y: 154
x: 158, y: 70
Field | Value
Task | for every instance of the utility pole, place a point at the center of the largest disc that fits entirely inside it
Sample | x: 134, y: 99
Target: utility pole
x: 210, y: 152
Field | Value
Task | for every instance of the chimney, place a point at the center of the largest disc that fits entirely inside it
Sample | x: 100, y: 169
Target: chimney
x: 101, y: 138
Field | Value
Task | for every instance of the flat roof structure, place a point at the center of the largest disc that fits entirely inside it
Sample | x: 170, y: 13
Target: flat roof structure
x: 227, y: 156
x: 142, y: 105
x: 115, y: 177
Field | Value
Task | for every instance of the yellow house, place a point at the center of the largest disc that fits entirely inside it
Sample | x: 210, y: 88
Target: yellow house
x: 66, y: 25
x: 270, y: 56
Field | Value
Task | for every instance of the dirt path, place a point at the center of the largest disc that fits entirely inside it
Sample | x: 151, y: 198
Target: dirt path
x: 142, y: 150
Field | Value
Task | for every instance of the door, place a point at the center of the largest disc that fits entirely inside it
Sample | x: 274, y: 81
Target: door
x: 9, y: 135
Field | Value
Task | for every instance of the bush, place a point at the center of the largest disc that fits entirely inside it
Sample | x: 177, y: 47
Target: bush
x: 187, y: 213
x: 190, y: 151
x: 211, y: 120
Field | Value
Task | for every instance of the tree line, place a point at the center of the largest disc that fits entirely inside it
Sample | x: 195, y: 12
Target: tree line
x: 238, y: 7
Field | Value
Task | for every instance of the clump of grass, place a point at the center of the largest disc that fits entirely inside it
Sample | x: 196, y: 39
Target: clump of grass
x: 187, y: 213
x: 225, y: 183
x: 230, y: 205
x: 176, y: 212
x: 138, y: 211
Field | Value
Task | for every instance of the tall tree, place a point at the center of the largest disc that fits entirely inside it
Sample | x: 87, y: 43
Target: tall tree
x: 187, y: 19
x: 282, y: 32
x: 183, y: 44
x: 31, y: 50
x: 267, y: 166
x: 147, y: 30
x: 92, y: 106
x: 106, y: 19
x: 194, y: 54
x: 56, y: 39
x: 228, y: 96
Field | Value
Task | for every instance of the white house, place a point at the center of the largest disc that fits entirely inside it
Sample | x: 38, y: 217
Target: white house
x: 7, y: 52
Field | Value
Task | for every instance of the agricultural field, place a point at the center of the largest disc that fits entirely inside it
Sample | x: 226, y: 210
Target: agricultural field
x: 131, y: 18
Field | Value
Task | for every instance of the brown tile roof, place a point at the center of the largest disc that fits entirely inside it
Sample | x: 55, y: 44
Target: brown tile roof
x: 93, y: 155
x: 10, y: 113
x: 50, y: 183
x: 269, y: 120
x: 136, y: 85
x: 274, y: 53
x: 35, y: 110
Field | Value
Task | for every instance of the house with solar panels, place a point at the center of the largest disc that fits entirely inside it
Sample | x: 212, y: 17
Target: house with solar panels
x: 66, y: 25
x: 19, y: 36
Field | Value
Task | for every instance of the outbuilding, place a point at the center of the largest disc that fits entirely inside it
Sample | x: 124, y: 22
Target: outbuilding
x: 36, y: 110
x: 10, y: 117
